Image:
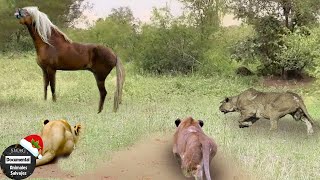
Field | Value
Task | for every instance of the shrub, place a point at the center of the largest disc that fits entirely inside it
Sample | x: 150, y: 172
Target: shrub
x: 297, y: 52
x: 169, y: 50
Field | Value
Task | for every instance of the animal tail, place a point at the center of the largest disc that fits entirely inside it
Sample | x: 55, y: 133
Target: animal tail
x: 302, y: 106
x: 304, y: 109
x: 206, y: 160
x: 120, y: 81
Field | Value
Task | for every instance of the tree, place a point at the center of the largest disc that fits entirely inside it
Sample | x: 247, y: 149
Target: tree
x: 291, y: 13
x: 61, y: 13
x: 272, y: 21
x: 123, y: 15
x: 207, y: 14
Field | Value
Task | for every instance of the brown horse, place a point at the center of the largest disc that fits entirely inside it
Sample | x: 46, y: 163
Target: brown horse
x: 55, y: 51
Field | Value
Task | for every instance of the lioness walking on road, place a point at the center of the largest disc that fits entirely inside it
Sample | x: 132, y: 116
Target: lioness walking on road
x: 193, y: 149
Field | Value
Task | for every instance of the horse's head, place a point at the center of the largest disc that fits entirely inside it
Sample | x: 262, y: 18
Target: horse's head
x: 23, y: 16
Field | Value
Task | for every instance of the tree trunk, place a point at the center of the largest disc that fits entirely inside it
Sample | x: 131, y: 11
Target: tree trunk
x: 284, y: 74
x: 286, y: 6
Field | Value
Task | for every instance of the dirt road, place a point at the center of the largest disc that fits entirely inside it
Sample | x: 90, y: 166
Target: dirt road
x: 150, y: 159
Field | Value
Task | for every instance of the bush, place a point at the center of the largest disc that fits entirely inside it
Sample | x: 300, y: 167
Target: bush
x: 110, y: 33
x: 169, y: 50
x: 278, y: 50
x: 217, y: 56
x: 297, y: 52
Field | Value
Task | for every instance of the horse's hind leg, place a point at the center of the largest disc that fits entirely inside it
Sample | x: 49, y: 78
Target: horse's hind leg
x: 52, y: 80
x: 103, y: 92
x: 45, y: 83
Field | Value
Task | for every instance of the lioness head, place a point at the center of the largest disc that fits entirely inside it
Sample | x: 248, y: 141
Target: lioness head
x: 188, y: 122
x: 75, y: 130
x: 229, y: 104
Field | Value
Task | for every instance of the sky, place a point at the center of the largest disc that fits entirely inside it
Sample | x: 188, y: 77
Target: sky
x: 141, y: 9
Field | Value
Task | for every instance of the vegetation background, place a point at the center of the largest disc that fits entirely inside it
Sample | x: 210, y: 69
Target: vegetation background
x: 176, y: 67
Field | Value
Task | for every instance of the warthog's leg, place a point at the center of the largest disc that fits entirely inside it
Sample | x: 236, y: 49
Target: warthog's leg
x: 245, y: 116
x: 249, y: 122
x: 245, y: 124
x: 274, y: 124
x: 309, y: 125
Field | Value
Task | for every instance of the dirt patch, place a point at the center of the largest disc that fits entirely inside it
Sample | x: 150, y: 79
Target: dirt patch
x: 153, y: 160
x: 279, y: 82
x: 47, y: 171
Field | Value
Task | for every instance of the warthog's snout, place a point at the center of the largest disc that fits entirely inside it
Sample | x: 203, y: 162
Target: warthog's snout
x: 222, y: 109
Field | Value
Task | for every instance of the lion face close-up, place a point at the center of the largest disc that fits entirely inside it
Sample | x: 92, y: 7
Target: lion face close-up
x: 228, y: 105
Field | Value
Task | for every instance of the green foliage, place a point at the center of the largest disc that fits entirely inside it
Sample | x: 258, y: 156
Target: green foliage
x: 263, y: 46
x: 205, y: 15
x: 116, y: 31
x: 169, y: 50
x: 217, y: 57
x: 292, y: 51
x: 298, y: 52
x: 168, y: 46
x: 122, y: 15
x: 276, y: 24
x: 291, y: 12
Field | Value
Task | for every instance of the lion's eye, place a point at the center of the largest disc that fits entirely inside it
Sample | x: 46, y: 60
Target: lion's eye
x: 227, y: 99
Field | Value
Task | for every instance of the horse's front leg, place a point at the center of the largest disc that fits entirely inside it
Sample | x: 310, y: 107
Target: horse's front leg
x: 45, y: 83
x: 52, y: 80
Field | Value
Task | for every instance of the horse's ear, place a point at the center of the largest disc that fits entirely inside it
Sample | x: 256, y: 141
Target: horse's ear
x: 200, y: 123
x: 45, y: 122
x: 177, y: 122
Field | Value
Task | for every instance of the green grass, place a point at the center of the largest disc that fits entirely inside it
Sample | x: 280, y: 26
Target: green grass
x: 151, y: 104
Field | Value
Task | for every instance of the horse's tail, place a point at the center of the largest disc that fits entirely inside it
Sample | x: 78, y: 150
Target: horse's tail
x: 120, y: 81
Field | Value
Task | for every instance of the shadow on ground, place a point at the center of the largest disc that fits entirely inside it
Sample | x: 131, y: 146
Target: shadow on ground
x: 152, y: 159
x: 286, y: 126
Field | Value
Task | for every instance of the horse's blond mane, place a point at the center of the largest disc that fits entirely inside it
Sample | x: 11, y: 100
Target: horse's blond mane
x: 43, y: 24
